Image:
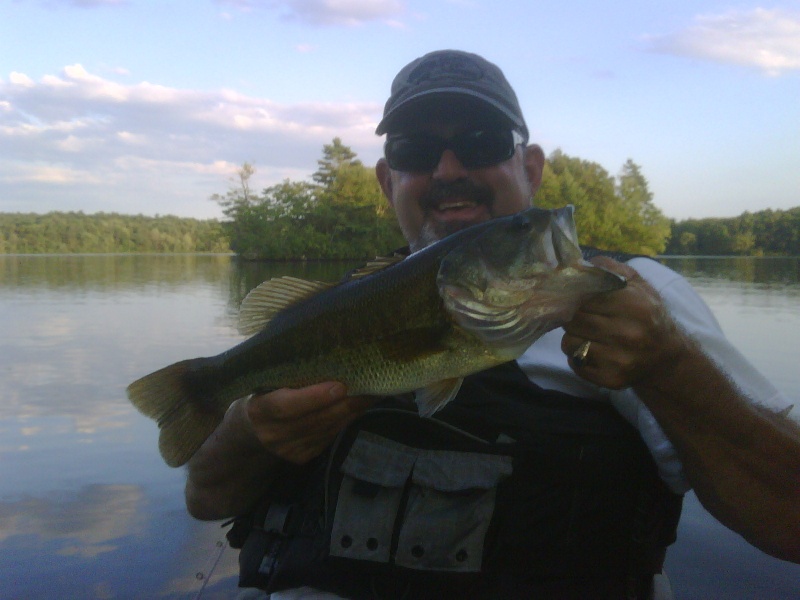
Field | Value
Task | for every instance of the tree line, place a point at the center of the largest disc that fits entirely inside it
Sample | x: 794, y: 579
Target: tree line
x: 763, y: 233
x: 76, y: 232
x: 340, y: 213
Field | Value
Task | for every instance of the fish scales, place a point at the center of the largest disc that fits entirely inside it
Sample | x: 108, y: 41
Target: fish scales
x: 473, y: 300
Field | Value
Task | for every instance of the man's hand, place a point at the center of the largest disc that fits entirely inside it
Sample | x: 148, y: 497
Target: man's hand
x: 632, y: 336
x: 297, y: 425
x: 233, y: 468
x: 742, y: 460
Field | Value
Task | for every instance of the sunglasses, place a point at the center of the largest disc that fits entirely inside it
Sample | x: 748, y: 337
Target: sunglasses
x: 474, y: 149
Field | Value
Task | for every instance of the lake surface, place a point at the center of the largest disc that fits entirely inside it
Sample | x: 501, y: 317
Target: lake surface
x: 89, y: 510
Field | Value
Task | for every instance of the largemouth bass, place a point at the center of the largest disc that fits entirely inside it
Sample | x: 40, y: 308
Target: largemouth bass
x: 473, y: 300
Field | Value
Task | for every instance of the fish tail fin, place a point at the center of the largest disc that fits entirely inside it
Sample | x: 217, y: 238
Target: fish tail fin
x: 184, y: 418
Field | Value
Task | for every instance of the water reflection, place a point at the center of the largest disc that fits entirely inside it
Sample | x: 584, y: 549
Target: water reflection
x: 88, y: 508
x: 110, y: 271
x: 86, y: 505
x: 781, y: 270
x: 109, y: 541
x: 85, y: 524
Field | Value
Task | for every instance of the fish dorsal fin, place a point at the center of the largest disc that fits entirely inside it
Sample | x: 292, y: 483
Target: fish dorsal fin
x: 378, y: 264
x: 434, y: 397
x: 272, y: 296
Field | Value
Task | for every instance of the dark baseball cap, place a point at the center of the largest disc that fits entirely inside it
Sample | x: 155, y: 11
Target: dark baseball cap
x: 447, y: 76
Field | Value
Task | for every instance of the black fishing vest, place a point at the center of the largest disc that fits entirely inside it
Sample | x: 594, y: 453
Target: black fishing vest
x: 511, y: 491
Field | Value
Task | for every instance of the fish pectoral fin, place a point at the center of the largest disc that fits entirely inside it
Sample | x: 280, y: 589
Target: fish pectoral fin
x: 272, y: 296
x: 565, y: 236
x: 433, y: 398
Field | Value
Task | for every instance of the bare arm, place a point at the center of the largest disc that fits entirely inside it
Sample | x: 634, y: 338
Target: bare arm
x: 742, y: 460
x: 233, y: 469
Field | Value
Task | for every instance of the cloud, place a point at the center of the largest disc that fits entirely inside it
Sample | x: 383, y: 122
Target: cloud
x: 84, y: 3
x: 20, y: 79
x: 768, y: 40
x: 40, y: 173
x: 328, y: 12
x: 97, y: 3
x: 105, y: 139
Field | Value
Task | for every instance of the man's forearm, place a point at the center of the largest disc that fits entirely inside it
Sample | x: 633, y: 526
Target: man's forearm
x: 230, y: 471
x: 742, y: 460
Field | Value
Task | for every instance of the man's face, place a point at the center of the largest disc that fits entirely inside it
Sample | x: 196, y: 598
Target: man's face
x: 432, y: 204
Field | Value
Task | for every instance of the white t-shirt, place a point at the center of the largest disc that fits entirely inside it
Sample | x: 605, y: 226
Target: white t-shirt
x: 547, y: 366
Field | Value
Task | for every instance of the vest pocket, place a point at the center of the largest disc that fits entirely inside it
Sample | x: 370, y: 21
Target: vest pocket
x: 374, y: 476
x: 421, y: 509
x: 450, y: 504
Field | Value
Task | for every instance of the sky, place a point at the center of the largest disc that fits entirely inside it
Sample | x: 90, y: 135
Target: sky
x: 150, y: 106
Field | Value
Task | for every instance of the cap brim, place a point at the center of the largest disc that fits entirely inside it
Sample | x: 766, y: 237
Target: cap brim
x: 427, y: 100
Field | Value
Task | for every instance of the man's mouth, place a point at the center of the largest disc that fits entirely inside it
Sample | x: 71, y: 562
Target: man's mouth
x: 456, y: 197
x: 462, y: 210
x: 451, y: 207
x: 445, y: 216
x: 455, y: 205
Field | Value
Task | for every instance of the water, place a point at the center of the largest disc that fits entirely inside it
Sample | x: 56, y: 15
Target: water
x: 88, y: 508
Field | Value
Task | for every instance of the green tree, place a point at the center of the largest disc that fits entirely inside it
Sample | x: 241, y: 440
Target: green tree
x: 342, y: 214
x: 643, y: 221
x: 612, y: 214
x: 688, y: 242
x: 76, y: 232
x: 743, y: 243
x: 238, y: 197
x: 767, y: 232
x: 334, y: 156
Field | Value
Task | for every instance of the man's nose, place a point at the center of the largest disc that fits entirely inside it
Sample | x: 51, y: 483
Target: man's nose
x: 449, y: 167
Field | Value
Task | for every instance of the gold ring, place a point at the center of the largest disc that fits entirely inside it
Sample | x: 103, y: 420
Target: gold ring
x: 579, y: 356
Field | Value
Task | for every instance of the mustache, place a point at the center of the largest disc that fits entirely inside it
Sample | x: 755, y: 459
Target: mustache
x: 462, y: 188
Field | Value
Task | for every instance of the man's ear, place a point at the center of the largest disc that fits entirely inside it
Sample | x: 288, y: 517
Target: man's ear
x: 384, y: 175
x: 534, y: 165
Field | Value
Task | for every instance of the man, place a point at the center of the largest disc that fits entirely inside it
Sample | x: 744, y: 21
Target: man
x: 557, y: 476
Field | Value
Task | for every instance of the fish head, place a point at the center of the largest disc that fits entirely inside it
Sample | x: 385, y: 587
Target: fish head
x: 521, y: 276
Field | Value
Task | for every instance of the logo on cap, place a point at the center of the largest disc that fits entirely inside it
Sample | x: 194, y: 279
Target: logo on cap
x: 446, y: 67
